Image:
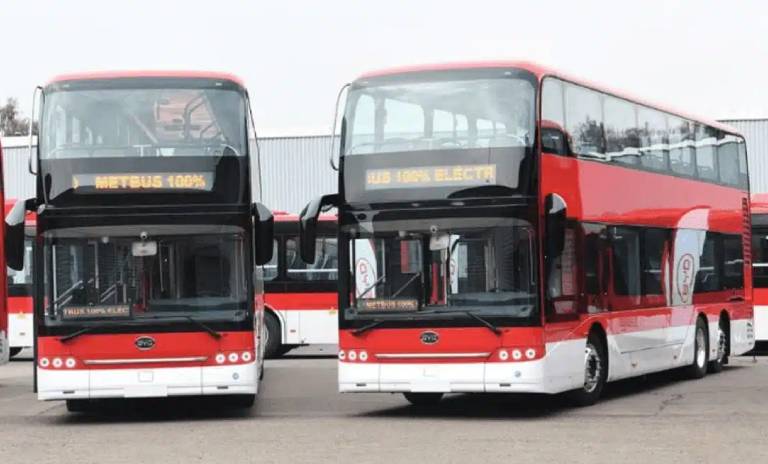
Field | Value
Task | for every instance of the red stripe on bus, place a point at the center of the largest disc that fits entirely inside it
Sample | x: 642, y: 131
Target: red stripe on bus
x: 304, y: 301
x: 20, y: 304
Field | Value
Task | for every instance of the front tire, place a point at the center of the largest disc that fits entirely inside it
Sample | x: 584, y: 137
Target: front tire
x: 595, y: 372
x: 423, y: 399
x: 15, y: 350
x: 273, y: 346
x: 698, y: 368
x: 721, y: 359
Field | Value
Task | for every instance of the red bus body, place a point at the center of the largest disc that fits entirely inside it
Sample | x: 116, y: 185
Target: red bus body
x: 4, y: 345
x: 154, y: 216
x: 612, y: 207
x: 760, y: 264
x: 301, y: 299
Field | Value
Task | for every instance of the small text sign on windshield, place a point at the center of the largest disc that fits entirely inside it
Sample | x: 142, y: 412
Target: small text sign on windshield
x: 93, y: 312
x: 202, y: 181
x: 430, y: 176
x: 382, y: 304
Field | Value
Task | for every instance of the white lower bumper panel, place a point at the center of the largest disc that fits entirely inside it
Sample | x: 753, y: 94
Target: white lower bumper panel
x: 761, y: 323
x: 55, y: 384
x: 20, y: 330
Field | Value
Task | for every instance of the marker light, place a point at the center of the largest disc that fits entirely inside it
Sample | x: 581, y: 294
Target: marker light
x: 246, y: 356
x: 517, y: 355
x: 352, y: 356
x: 220, y: 358
x: 363, y: 356
x: 57, y: 362
x: 530, y: 353
x: 503, y: 355
x: 45, y: 362
x: 342, y: 355
x: 70, y: 363
x: 233, y: 357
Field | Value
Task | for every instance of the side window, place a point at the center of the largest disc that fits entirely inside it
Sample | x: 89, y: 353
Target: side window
x: 733, y: 263
x: 760, y: 257
x: 625, y: 245
x: 553, y: 138
x: 706, y: 162
x: 654, y: 143
x: 270, y: 269
x: 364, y: 117
x: 654, y: 246
x: 681, y: 147
x: 621, y: 137
x: 728, y: 159
x: 707, y: 273
x: 743, y: 177
x: 584, y: 121
x: 325, y: 266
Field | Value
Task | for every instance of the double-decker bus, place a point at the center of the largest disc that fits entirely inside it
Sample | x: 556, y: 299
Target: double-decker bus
x: 760, y: 265
x: 20, y: 329
x: 4, y: 346
x: 148, y: 245
x: 301, y: 298
x: 506, y: 228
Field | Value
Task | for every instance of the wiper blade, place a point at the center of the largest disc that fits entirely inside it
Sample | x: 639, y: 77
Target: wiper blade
x: 484, y: 321
x: 407, y: 283
x: 205, y: 327
x: 365, y: 292
x: 367, y: 327
x: 77, y: 333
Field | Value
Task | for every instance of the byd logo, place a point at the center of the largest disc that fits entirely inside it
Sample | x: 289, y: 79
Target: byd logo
x: 429, y: 337
x: 685, y: 273
x: 144, y: 343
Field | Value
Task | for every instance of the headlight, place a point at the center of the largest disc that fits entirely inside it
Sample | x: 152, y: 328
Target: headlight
x: 342, y: 355
x: 70, y: 363
x: 363, y: 356
x: 246, y: 356
x: 517, y: 355
x: 530, y: 353
x: 503, y: 355
x: 45, y: 362
x: 352, y: 356
x: 220, y: 358
x: 233, y: 357
x: 57, y: 362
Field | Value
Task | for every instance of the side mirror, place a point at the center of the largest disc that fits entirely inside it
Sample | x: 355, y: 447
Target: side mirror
x: 14, y: 234
x: 264, y: 224
x: 556, y: 216
x: 308, y: 225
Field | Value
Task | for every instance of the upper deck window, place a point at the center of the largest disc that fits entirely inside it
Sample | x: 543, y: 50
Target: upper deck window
x: 142, y: 117
x: 440, y: 111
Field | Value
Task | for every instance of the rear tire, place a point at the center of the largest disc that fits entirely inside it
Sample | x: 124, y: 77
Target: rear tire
x: 595, y: 372
x: 78, y: 405
x: 698, y: 368
x: 721, y: 359
x: 423, y: 399
x: 14, y: 351
x: 273, y: 345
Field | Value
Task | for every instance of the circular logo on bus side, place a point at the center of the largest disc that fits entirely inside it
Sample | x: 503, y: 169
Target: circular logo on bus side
x: 685, y: 274
x: 144, y: 343
x: 429, y: 337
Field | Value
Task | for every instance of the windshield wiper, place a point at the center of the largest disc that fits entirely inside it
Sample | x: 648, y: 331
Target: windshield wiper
x: 367, y: 327
x: 379, y: 280
x: 77, y: 333
x: 408, y: 282
x: 483, y: 321
x: 205, y: 327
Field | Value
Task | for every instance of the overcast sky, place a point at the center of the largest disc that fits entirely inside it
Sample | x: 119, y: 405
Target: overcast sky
x: 704, y: 57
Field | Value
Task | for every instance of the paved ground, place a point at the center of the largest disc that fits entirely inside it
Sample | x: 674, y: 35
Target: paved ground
x: 300, y: 418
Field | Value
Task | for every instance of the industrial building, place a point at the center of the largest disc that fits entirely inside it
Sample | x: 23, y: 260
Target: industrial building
x: 297, y: 169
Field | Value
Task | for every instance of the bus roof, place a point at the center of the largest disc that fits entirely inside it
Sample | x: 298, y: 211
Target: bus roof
x: 94, y: 75
x: 759, y: 203
x: 540, y: 72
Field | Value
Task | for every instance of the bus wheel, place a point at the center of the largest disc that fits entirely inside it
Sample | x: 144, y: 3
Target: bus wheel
x: 273, y: 347
x: 242, y: 401
x: 595, y: 372
x: 14, y: 351
x: 716, y: 365
x: 77, y: 405
x: 423, y: 399
x: 698, y: 368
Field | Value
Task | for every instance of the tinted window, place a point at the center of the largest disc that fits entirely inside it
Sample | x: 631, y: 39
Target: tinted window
x: 270, y: 269
x: 706, y: 162
x: 707, y: 274
x: 625, y: 243
x: 681, y: 147
x: 553, y: 138
x: 760, y: 257
x: 325, y: 266
x: 728, y: 160
x: 652, y: 126
x: 654, y: 244
x: 742, y: 149
x: 583, y: 115
x: 621, y: 138
x: 733, y: 262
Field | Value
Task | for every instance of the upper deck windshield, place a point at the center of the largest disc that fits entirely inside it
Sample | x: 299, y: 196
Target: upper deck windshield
x: 143, y: 117
x: 441, y: 111
x: 106, y: 275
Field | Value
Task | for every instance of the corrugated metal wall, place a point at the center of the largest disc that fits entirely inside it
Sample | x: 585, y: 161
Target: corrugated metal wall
x: 295, y: 170
x: 755, y: 132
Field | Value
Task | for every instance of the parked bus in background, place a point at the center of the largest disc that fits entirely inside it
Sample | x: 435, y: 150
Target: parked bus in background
x: 148, y: 240
x: 506, y: 228
x: 20, y: 327
x: 760, y: 264
x: 301, y: 299
x: 5, y: 351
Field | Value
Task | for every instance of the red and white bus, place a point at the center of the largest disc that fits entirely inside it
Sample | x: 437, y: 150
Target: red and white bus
x: 5, y: 351
x: 148, y: 245
x: 760, y: 264
x: 20, y: 327
x: 301, y: 299
x: 506, y: 228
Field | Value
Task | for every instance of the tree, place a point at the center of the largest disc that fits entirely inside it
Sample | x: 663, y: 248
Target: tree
x: 11, y: 122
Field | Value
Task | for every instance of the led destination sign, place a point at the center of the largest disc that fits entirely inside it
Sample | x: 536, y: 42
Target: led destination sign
x: 202, y: 181
x: 430, y: 176
x: 100, y: 311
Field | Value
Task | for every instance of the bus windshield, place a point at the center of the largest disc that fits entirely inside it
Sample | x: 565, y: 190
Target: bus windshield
x: 125, y: 278
x: 487, y: 266
x: 138, y: 122
x: 440, y: 111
